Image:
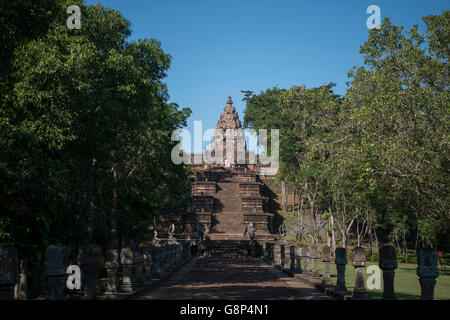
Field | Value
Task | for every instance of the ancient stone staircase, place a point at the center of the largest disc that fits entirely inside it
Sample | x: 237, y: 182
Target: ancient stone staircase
x: 227, y: 216
x: 227, y: 248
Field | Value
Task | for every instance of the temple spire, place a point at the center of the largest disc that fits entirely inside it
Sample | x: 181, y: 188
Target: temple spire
x: 229, y: 118
x: 229, y: 101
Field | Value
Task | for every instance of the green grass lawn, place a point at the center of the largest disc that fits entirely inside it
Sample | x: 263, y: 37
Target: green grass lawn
x: 406, y: 282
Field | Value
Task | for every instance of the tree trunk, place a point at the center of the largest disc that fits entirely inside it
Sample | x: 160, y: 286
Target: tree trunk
x: 21, y: 288
x: 293, y: 201
x: 283, y: 195
x: 333, y: 235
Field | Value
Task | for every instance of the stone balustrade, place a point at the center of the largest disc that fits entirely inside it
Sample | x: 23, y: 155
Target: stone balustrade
x: 299, y: 267
x: 142, y: 265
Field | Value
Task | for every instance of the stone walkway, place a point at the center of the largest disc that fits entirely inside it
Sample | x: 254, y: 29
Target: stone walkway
x: 222, y: 278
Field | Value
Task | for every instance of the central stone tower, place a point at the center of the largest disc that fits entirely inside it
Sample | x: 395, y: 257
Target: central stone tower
x: 229, y: 136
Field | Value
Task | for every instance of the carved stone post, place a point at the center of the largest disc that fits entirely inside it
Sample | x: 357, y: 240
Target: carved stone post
x: 162, y: 258
x: 90, y: 262
x: 166, y: 255
x: 148, y: 260
x: 111, y: 266
x: 359, y: 262
x: 282, y: 255
x: 177, y: 254
x: 270, y: 253
x: 326, y: 260
x: 57, y: 256
x: 341, y: 262
x: 184, y: 251
x: 314, y: 255
x: 156, y: 255
x: 172, y: 253
x: 388, y: 263
x: 427, y: 271
x: 265, y: 248
x: 180, y: 253
x: 292, y: 255
x: 298, y: 259
x: 305, y: 258
x: 287, y: 255
x: 138, y: 262
x: 9, y: 271
x: 277, y: 254
x: 126, y: 260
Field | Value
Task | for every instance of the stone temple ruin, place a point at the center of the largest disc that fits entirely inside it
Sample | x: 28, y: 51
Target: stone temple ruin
x: 226, y: 197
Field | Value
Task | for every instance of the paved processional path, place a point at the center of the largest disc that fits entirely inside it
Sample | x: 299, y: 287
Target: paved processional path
x: 226, y: 278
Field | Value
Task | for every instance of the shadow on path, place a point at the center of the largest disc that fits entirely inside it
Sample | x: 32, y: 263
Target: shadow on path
x: 222, y: 278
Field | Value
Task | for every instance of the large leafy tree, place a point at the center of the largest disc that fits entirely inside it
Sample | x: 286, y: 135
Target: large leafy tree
x: 378, y: 158
x: 85, y: 132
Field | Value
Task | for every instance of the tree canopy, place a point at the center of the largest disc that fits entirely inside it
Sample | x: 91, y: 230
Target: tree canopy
x: 85, y: 128
x: 378, y: 157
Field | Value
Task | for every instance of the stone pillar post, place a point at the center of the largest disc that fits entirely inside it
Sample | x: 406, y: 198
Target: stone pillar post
x: 111, y: 266
x: 184, y: 254
x: 57, y: 256
x: 341, y: 262
x: 270, y: 253
x: 138, y: 262
x: 314, y: 256
x: 172, y: 256
x: 305, y: 258
x: 427, y: 271
x: 287, y: 256
x: 126, y: 260
x: 180, y: 254
x: 167, y: 257
x: 388, y: 263
x: 177, y: 254
x: 292, y: 255
x: 162, y: 259
x: 90, y: 262
x: 265, y: 248
x: 277, y: 254
x: 173, y: 253
x: 359, y: 262
x: 189, y: 249
x: 9, y: 271
x: 298, y: 259
x: 148, y: 260
x: 326, y: 260
x: 156, y: 255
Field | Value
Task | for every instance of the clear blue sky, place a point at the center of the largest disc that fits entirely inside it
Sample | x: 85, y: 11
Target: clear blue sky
x: 222, y: 47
